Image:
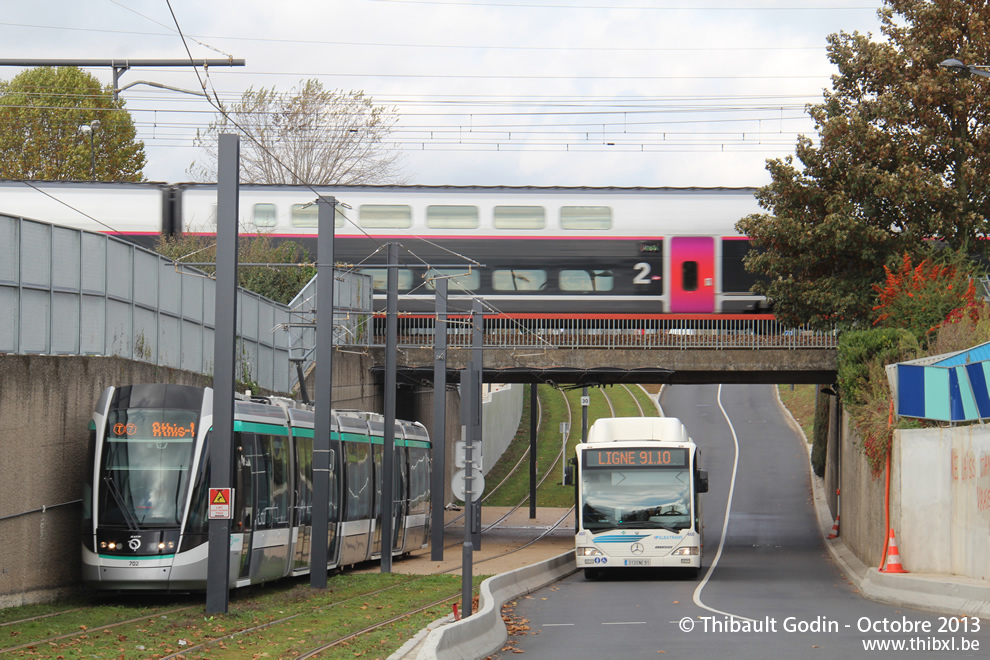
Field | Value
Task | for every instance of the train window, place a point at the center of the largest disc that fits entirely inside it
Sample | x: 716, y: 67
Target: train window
x: 457, y: 278
x: 585, y: 217
x: 689, y: 276
x: 520, y: 217
x: 265, y: 215
x: 586, y: 280
x: 519, y: 280
x: 308, y: 215
x: 379, y: 277
x: 385, y: 216
x: 452, y: 217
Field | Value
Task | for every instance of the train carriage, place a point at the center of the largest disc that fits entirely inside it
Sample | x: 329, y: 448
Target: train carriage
x: 145, y: 522
x: 567, y: 250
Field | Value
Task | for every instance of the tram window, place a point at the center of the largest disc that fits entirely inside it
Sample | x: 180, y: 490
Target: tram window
x: 452, y: 217
x: 519, y: 280
x: 379, y: 277
x: 520, y: 217
x: 689, y: 276
x: 457, y: 278
x: 304, y: 480
x: 376, y: 451
x: 385, y: 216
x: 585, y: 217
x: 586, y: 280
x: 358, y: 456
x: 419, y: 480
x: 265, y: 215
x: 308, y: 215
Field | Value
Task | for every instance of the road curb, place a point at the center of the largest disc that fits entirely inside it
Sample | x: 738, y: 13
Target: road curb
x: 484, y: 632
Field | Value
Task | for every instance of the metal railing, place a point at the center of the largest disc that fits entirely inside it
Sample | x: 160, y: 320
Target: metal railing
x: 601, y: 331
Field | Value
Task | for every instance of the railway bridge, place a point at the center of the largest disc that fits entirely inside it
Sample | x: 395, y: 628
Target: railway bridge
x: 607, y: 349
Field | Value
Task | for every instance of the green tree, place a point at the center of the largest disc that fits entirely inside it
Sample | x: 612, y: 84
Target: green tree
x: 902, y: 156
x: 275, y: 282
x: 41, y: 111
x: 311, y: 135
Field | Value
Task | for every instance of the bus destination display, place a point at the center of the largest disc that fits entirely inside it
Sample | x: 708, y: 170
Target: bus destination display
x: 638, y: 457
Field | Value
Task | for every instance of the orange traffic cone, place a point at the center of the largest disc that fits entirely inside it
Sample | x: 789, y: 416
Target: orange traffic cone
x: 893, y: 557
x: 835, y: 529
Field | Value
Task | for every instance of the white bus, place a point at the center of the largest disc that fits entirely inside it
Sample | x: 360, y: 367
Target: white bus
x: 637, y: 484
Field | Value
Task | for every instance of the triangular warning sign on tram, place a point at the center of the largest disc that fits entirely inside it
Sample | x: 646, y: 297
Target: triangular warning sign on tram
x: 220, y: 497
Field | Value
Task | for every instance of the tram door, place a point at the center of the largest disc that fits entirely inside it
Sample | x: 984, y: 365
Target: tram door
x: 244, y: 499
x: 692, y: 274
x: 400, y: 467
x: 304, y: 504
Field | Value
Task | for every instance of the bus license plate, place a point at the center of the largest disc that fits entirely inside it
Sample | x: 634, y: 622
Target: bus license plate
x: 637, y: 562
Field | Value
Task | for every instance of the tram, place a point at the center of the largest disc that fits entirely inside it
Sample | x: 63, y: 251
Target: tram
x: 145, y: 504
x: 638, y: 484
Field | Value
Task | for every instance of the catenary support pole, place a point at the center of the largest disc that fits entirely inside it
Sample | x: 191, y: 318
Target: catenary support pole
x: 438, y: 481
x: 319, y: 550
x: 391, y: 363
x: 533, y: 421
x: 221, y: 438
x: 475, y: 429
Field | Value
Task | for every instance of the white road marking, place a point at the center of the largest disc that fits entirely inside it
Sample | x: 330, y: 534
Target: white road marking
x: 551, y: 625
x: 623, y: 623
x: 725, y: 524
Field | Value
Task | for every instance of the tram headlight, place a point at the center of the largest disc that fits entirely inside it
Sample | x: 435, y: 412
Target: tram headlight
x: 687, y: 550
x: 588, y: 552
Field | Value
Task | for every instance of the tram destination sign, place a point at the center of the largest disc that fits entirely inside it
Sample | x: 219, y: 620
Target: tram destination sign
x: 139, y: 424
x: 638, y: 457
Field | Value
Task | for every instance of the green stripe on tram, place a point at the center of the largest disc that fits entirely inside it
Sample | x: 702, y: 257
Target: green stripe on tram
x: 255, y: 427
x: 301, y: 432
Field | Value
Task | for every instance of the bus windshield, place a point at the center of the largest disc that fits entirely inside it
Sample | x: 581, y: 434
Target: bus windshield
x: 145, y: 466
x: 637, y: 498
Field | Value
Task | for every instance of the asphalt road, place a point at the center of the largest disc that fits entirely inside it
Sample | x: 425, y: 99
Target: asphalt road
x: 769, y: 591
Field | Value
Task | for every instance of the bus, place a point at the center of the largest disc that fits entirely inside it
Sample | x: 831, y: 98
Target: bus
x: 637, y: 493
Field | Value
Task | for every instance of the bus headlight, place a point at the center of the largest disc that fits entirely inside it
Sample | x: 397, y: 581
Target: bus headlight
x: 588, y: 552
x: 687, y: 550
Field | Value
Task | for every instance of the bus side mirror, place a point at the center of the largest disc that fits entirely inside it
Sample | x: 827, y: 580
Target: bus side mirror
x: 569, y: 472
x: 701, y: 484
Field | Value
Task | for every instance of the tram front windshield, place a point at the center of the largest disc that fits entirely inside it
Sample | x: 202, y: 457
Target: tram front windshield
x: 145, y: 466
x: 645, y: 498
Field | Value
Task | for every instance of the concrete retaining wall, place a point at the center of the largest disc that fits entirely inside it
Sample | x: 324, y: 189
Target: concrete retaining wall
x: 501, y: 412
x: 861, y: 511
x: 940, y: 500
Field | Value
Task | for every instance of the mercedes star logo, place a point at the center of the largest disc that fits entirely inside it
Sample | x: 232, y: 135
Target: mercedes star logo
x: 637, y: 548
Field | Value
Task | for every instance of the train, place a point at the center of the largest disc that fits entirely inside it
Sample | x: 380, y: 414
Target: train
x: 145, y: 502
x: 569, y: 250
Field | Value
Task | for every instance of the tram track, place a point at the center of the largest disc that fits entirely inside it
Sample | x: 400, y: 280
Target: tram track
x: 88, y: 630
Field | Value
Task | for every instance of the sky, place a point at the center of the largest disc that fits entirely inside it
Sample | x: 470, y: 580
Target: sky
x: 488, y: 92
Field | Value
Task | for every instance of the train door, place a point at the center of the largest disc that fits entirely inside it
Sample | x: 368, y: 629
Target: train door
x: 692, y: 275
